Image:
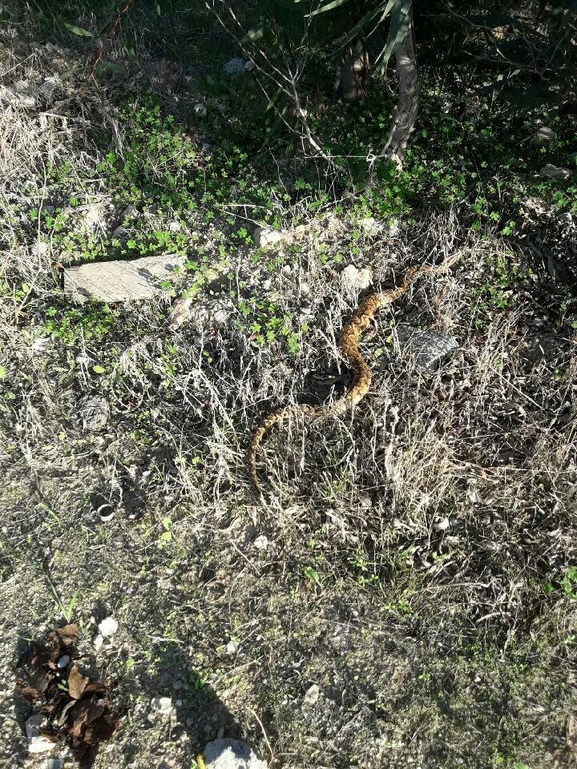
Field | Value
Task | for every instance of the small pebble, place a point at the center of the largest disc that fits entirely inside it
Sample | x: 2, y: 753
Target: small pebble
x: 63, y: 662
x: 162, y: 705
x: 261, y: 542
x: 98, y: 641
x: 108, y: 627
x: 231, y: 647
x: 36, y: 742
x: 220, y: 316
x: 264, y: 236
x: 312, y: 695
x: 353, y: 278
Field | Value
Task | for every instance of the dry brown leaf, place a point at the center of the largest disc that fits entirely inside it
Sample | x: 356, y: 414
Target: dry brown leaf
x: 95, y: 710
x: 29, y: 693
x: 102, y: 728
x: 95, y: 687
x: 76, y: 683
x: 63, y: 717
x: 67, y: 635
x: 55, y: 704
x: 77, y: 720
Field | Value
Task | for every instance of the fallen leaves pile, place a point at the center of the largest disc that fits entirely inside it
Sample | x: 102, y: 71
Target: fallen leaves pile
x: 75, y: 709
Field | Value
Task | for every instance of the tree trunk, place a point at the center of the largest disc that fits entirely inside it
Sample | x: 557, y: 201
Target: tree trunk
x: 409, y: 91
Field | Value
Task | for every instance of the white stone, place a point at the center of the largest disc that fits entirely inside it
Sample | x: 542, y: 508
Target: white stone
x: 429, y: 347
x: 264, y: 236
x: 231, y: 647
x: 261, y: 542
x: 312, y: 695
x: 36, y: 742
x: 121, y: 280
x: 162, y: 705
x: 370, y: 226
x: 231, y: 754
x: 94, y: 411
x: 48, y: 87
x: 108, y: 627
x: 40, y: 744
x: 220, y: 316
x: 353, y: 278
x: 181, y: 313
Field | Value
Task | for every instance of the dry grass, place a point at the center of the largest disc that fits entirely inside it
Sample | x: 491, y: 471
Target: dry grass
x: 403, y: 560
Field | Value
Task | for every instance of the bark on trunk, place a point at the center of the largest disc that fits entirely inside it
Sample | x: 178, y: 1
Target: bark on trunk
x: 409, y: 92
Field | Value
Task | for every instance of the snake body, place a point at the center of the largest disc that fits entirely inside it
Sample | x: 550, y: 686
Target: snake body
x: 349, y: 346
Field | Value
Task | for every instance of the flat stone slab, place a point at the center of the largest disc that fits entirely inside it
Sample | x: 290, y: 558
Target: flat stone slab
x: 121, y: 281
x: 429, y: 347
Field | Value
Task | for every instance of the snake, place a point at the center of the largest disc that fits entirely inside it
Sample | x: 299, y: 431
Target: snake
x: 349, y: 346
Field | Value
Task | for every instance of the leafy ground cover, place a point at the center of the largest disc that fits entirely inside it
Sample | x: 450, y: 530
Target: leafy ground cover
x: 406, y: 595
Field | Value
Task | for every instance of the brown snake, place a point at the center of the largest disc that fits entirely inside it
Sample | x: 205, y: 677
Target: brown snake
x: 349, y: 346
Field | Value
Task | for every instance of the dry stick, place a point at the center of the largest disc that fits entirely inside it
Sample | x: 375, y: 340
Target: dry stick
x: 263, y: 733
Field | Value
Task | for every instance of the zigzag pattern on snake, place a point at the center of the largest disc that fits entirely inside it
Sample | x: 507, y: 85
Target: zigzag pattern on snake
x: 349, y: 346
